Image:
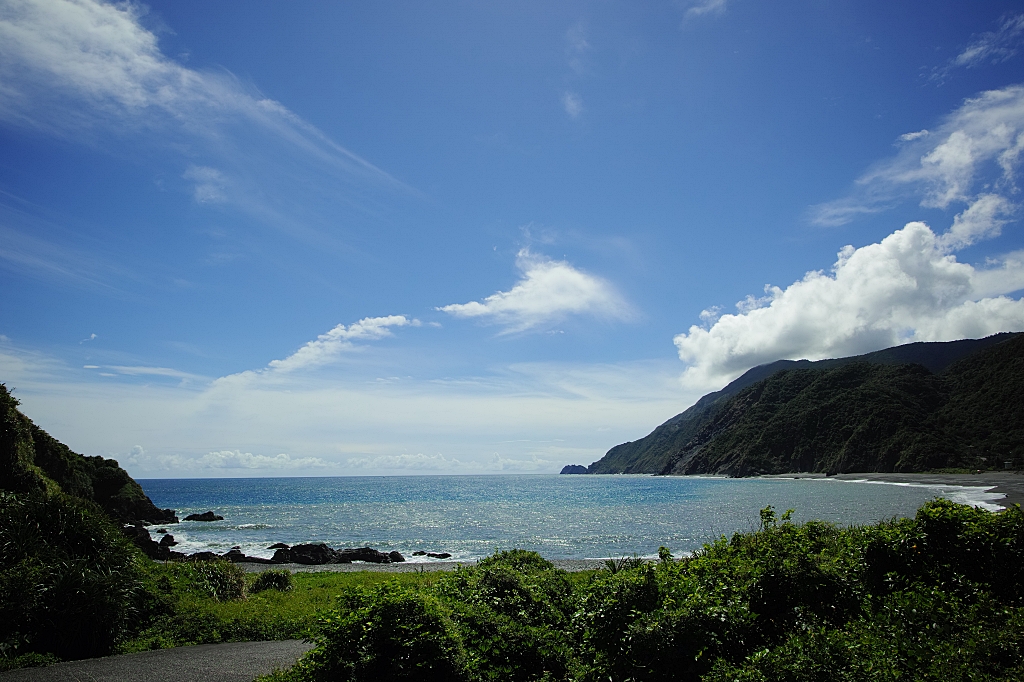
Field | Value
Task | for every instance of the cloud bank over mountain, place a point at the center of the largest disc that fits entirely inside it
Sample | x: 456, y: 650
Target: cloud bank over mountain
x: 910, y: 285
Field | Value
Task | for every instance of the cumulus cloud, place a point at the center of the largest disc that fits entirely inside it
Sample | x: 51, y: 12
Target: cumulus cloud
x: 236, y: 459
x: 905, y: 288
x: 417, y: 462
x: 979, y: 144
x: 138, y: 458
x: 547, y: 291
x: 327, y: 346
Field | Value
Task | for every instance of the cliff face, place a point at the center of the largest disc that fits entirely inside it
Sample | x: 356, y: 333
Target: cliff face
x: 31, y: 459
x: 909, y: 408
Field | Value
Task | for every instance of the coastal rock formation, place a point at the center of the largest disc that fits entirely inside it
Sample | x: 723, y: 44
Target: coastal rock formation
x: 363, y: 554
x: 205, y: 516
x: 573, y: 469
x: 33, y: 460
x: 278, y: 545
x: 396, y: 557
x: 439, y: 555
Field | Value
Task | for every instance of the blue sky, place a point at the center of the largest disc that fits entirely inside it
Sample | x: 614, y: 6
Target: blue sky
x: 391, y: 238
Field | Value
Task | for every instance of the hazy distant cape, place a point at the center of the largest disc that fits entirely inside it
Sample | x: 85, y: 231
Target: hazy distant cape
x: 914, y: 407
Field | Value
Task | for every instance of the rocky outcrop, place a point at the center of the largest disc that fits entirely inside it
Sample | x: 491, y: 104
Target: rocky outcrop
x: 205, y: 516
x: 320, y: 553
x: 364, y: 554
x: 574, y: 469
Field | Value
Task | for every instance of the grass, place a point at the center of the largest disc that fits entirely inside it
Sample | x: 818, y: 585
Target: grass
x: 191, y: 615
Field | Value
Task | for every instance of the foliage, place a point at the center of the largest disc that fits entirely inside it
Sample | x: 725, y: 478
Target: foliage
x: 387, y: 632
x: 70, y: 585
x: 936, y: 597
x: 32, y: 460
x: 917, y: 407
x: 183, y: 611
x: 272, y: 580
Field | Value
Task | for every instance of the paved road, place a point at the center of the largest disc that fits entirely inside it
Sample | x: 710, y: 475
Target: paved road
x: 233, y: 662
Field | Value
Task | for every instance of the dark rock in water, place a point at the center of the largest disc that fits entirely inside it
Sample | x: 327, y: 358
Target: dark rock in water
x: 419, y: 552
x: 574, y: 469
x: 396, y: 557
x: 235, y: 555
x: 167, y: 541
x: 279, y: 545
x: 140, y: 538
x: 311, y: 554
x: 439, y: 555
x: 161, y: 530
x: 364, y: 554
x: 204, y: 556
x: 205, y: 516
x: 282, y: 556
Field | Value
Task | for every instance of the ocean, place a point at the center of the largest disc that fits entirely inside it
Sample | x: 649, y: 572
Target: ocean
x: 561, y: 517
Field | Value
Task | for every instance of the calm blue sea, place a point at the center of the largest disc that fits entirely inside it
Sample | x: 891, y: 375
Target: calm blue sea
x: 562, y: 517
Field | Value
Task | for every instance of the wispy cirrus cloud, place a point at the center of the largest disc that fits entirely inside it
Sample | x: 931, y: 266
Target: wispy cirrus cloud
x: 706, y: 7
x: 979, y: 144
x: 327, y: 346
x: 991, y: 47
x: 547, y: 291
x: 89, y: 71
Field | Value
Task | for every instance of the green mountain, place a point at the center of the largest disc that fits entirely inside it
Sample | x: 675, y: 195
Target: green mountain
x: 31, y: 459
x: 914, y: 407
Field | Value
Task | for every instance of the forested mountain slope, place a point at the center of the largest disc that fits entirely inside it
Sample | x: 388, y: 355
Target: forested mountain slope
x: 908, y: 408
x: 31, y: 459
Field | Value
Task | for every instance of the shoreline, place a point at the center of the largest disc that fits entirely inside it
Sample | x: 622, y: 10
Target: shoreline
x: 570, y: 565
x: 1009, y: 484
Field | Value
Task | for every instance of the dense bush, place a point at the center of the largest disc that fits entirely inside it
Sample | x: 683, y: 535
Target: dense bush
x: 70, y: 584
x: 385, y: 633
x: 272, y: 580
x: 939, y: 596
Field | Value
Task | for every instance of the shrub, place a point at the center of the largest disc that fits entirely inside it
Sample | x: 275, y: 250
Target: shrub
x: 279, y: 580
x: 70, y: 584
x: 384, y: 633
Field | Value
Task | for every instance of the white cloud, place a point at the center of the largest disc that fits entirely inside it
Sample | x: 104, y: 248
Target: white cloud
x: 417, y: 462
x: 90, y: 72
x: 210, y: 184
x: 150, y: 371
x: 140, y: 460
x: 236, y: 459
x: 327, y: 346
x: 706, y: 7
x: 547, y: 291
x: 979, y: 144
x: 576, y: 46
x: 994, y: 46
x: 905, y: 288
x: 572, y: 103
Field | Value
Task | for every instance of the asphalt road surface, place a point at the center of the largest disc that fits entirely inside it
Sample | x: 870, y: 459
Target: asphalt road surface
x: 232, y: 662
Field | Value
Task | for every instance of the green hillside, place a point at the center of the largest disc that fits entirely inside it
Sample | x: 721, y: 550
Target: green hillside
x: 910, y: 408
x: 31, y: 459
